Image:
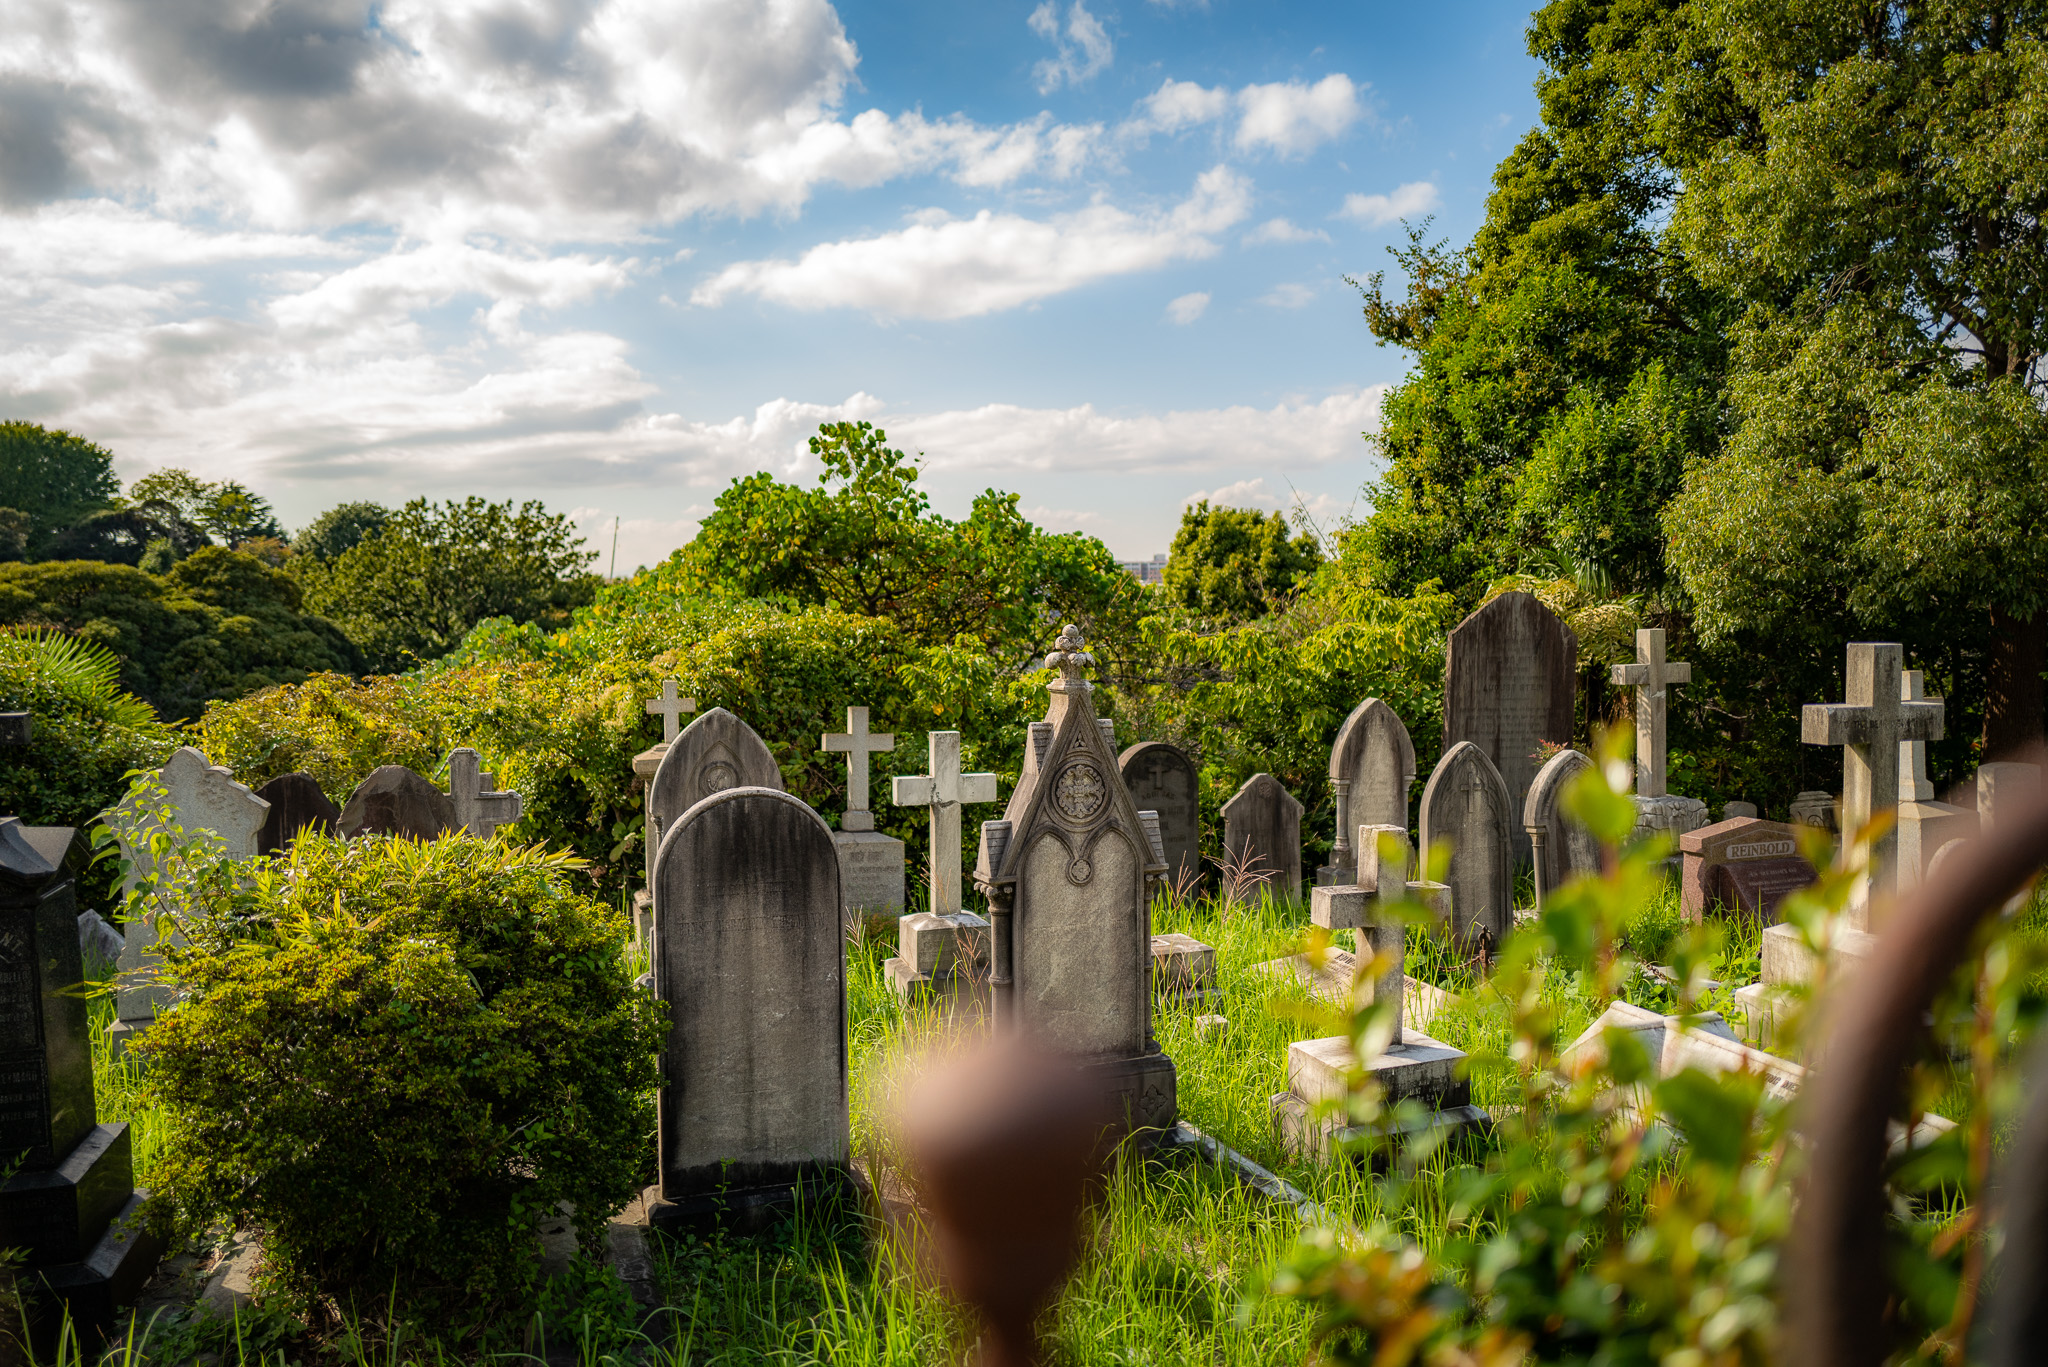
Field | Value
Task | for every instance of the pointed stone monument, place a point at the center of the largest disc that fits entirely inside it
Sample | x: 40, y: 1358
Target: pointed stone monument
x: 1162, y: 779
x: 1065, y: 873
x: 1925, y: 823
x: 870, y: 863
x: 297, y: 804
x: 942, y: 949
x: 1372, y: 767
x: 1510, y: 684
x: 395, y: 801
x: 1262, y: 836
x: 1467, y: 803
x: 1560, y: 848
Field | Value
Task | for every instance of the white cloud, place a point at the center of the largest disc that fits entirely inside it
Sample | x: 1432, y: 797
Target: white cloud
x: 1188, y: 307
x: 1280, y: 230
x: 1082, y: 51
x: 1288, y: 296
x: 1294, y: 119
x: 945, y: 267
x: 1244, y: 493
x: 1376, y: 211
x: 1174, y: 106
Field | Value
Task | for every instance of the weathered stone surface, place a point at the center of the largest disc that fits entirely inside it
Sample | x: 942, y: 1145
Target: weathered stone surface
x: 750, y: 958
x: 1262, y: 834
x: 1561, y: 848
x: 1652, y: 677
x: 944, y: 790
x: 1510, y: 683
x: 857, y: 743
x: 480, y: 809
x: 1786, y: 962
x: 394, y: 800
x: 1467, y: 804
x: 715, y: 752
x: 296, y: 804
x: 1161, y: 778
x: 1418, y: 1069
x: 1814, y: 808
x: 1374, y: 754
x: 1182, y: 966
x: 1667, y: 815
x: 870, y: 871
x: 670, y: 706
x: 1925, y: 827
x: 1734, y: 809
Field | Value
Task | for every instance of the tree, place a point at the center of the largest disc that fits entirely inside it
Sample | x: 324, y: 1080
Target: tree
x: 233, y: 515
x: 1233, y: 564
x: 1885, y: 218
x: 52, y: 478
x: 411, y: 590
x: 339, y: 529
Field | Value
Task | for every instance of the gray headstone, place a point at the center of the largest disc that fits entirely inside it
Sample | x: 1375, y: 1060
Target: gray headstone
x: 1262, y: 834
x: 296, y: 804
x: 1567, y: 849
x: 473, y: 791
x: 1161, y: 778
x: 1814, y: 808
x: 1734, y: 809
x: 1468, y: 804
x: 1374, y: 755
x: 1510, y: 683
x: 750, y: 958
x: 715, y: 752
x: 394, y: 800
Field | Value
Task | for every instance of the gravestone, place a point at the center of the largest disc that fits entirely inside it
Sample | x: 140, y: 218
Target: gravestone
x: 479, y: 808
x: 1869, y: 727
x: 1262, y: 836
x: 750, y: 957
x: 198, y: 797
x: 395, y: 801
x: 870, y: 863
x: 1511, y: 684
x: 1560, y: 848
x: 1744, y: 864
x: 715, y: 752
x: 1467, y: 803
x: 1161, y: 778
x: 69, y: 1202
x: 670, y: 706
x: 296, y: 804
x: 1925, y: 823
x: 1372, y: 767
x: 1814, y: 808
x: 1731, y: 810
x: 943, y: 935
x: 1065, y: 874
x: 1652, y: 677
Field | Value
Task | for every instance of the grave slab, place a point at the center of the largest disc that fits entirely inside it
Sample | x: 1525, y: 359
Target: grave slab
x: 1183, y: 968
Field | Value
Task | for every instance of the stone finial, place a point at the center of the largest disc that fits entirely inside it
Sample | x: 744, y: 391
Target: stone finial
x: 1070, y: 657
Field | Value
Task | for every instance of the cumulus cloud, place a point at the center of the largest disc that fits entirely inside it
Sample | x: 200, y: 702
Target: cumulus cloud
x: 946, y: 267
x: 1188, y: 307
x: 1288, y: 296
x: 1376, y: 211
x: 1174, y: 106
x: 1080, y: 52
x: 1292, y: 118
x: 536, y: 118
x: 1280, y: 230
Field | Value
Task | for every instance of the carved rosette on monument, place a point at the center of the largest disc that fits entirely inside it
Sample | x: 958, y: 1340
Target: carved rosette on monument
x: 1065, y: 873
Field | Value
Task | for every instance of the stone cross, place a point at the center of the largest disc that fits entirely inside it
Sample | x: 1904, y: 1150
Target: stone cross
x: 1870, y: 727
x: 1914, y: 785
x: 945, y: 789
x: 479, y: 810
x: 670, y: 707
x: 857, y: 743
x: 1651, y: 676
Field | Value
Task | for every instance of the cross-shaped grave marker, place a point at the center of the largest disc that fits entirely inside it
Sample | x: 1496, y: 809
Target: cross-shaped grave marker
x: 479, y: 810
x: 1651, y: 675
x: 945, y: 789
x: 670, y: 707
x: 1914, y: 785
x: 857, y: 743
x: 1870, y: 727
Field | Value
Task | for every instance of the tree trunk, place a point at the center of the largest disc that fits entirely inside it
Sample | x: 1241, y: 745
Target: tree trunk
x: 2013, y: 698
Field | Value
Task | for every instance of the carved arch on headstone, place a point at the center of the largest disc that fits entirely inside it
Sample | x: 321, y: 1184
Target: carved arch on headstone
x: 1373, y: 720
x: 1467, y: 802
x: 1568, y: 847
x: 715, y: 752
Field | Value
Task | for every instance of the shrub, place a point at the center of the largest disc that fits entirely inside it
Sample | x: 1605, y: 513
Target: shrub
x: 86, y: 733
x: 397, y: 1058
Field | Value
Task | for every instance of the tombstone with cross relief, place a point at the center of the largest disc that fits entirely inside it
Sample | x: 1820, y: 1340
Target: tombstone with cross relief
x: 870, y: 863
x: 943, y: 947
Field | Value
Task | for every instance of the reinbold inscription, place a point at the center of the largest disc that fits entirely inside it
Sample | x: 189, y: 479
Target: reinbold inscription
x: 1760, y: 849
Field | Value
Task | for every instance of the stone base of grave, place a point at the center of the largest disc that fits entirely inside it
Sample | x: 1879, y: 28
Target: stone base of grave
x: 1331, y: 985
x: 1668, y: 815
x: 870, y: 871
x: 123, y: 1033
x: 1763, y: 1007
x: 1788, y: 963
x: 1183, y: 968
x: 955, y: 992
x: 1925, y: 827
x: 747, y: 1197
x: 643, y: 918
x: 1419, y: 1069
x: 86, y: 1246
x: 92, y: 1290
x: 1144, y: 1095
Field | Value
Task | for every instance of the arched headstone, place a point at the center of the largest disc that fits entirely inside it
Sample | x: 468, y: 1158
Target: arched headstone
x: 1161, y: 778
x: 296, y: 804
x: 1373, y: 750
x: 1262, y: 834
x: 714, y: 753
x: 1562, y: 848
x: 1510, y: 683
x: 394, y: 800
x: 1467, y: 803
x: 750, y: 958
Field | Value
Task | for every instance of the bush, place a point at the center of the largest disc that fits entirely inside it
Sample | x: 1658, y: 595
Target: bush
x: 86, y: 733
x: 397, y: 1058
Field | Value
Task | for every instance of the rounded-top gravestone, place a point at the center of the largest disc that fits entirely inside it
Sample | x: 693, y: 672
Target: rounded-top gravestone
x: 1161, y: 778
x: 394, y: 800
x: 1467, y: 804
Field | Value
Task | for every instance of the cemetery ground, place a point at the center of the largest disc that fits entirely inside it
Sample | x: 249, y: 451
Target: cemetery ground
x: 1182, y: 1249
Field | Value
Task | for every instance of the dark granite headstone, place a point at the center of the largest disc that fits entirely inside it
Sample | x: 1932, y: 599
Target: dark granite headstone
x: 296, y: 804
x: 394, y: 800
x: 71, y: 1204
x: 1262, y: 834
x: 750, y: 956
x: 1510, y: 682
x: 1754, y: 887
x: 1161, y: 778
x: 1745, y: 864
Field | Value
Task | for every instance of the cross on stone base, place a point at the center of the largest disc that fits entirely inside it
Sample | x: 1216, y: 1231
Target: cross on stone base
x: 670, y: 707
x: 478, y: 809
x: 1651, y: 676
x: 945, y: 790
x: 857, y: 743
x: 1870, y: 727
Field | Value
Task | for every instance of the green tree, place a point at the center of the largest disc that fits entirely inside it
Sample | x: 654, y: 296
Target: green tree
x: 339, y: 529
x: 413, y: 588
x: 1232, y: 564
x: 52, y: 478
x: 234, y: 516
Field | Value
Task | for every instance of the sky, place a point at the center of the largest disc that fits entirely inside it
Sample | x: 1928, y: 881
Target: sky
x: 613, y: 254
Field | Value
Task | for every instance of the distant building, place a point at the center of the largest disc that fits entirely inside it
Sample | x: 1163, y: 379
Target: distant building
x: 1151, y: 571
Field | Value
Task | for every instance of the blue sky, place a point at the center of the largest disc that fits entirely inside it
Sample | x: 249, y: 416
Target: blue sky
x: 613, y: 253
